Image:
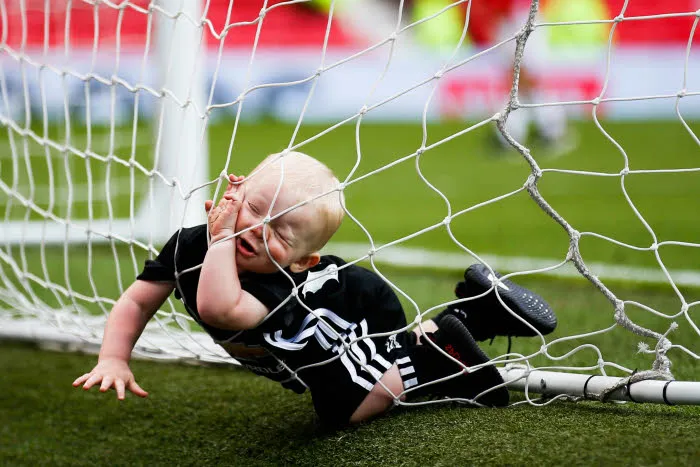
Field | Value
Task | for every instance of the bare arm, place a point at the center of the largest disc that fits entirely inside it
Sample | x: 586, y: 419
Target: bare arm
x: 220, y: 300
x: 125, y: 323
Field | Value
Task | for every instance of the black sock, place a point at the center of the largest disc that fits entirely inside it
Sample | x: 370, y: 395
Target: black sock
x: 441, y: 315
x: 478, y: 324
x: 427, y: 365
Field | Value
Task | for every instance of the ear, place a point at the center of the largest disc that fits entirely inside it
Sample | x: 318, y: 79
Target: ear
x: 306, y: 262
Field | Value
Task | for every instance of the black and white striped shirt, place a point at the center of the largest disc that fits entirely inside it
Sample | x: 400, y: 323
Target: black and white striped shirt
x: 335, y: 304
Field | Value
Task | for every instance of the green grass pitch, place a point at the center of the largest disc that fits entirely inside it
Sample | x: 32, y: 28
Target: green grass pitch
x: 216, y: 415
x: 396, y: 203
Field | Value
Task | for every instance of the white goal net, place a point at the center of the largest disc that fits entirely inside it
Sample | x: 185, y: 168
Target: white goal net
x: 121, y: 117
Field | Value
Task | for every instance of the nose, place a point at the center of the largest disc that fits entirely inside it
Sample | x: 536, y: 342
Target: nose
x: 258, y: 230
x: 256, y: 225
x: 247, y: 220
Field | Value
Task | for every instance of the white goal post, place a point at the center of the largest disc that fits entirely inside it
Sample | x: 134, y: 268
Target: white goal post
x: 100, y: 161
x: 180, y: 161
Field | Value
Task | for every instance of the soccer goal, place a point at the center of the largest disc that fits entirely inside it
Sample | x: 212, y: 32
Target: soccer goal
x: 108, y: 109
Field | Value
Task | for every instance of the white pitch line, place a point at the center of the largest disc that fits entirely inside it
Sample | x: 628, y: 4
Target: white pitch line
x: 422, y: 258
x: 53, y: 233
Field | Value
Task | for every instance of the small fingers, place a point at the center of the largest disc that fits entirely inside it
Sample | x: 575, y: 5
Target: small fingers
x: 237, y: 193
x: 91, y: 381
x: 208, y: 204
x: 233, y: 180
x: 239, y: 186
x: 234, y: 183
x: 215, y: 210
x: 106, y: 383
x: 136, y: 389
x: 234, y: 197
x: 119, y: 386
x: 81, y: 379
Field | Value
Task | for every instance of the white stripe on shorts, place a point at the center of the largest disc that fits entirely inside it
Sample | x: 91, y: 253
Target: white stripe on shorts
x: 409, y: 383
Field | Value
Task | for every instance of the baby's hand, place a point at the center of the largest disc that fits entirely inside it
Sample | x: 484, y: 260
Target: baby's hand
x: 111, y: 373
x: 222, y: 217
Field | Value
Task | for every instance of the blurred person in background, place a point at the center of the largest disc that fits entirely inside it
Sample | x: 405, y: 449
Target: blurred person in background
x: 493, y: 21
x: 496, y: 20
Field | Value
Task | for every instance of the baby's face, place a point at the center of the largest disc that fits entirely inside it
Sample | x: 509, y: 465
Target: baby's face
x: 287, y: 235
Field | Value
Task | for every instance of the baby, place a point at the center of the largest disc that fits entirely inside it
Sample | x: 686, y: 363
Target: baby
x: 311, y: 322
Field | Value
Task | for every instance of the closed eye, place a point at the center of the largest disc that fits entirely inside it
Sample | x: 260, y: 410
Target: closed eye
x: 282, y: 237
x: 253, y: 208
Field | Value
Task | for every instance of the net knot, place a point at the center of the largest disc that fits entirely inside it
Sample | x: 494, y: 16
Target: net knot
x: 439, y: 74
x: 363, y: 110
x: 319, y: 71
x: 266, y: 220
x: 654, y: 246
x: 531, y: 180
x: 575, y: 235
x: 596, y: 101
x: 619, y: 18
x: 496, y: 116
x: 572, y: 254
x: 262, y: 13
x: 447, y: 220
x: 682, y: 92
x: 625, y: 171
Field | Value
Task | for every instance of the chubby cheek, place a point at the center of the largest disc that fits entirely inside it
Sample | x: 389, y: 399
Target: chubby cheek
x: 241, y: 220
x: 278, y: 252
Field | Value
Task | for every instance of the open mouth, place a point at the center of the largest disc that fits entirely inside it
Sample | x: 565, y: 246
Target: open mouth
x: 245, y: 248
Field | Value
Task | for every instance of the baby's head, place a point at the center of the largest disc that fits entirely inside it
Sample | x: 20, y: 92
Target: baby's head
x: 295, y: 237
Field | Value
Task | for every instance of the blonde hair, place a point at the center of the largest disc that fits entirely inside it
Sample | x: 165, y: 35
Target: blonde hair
x: 310, y: 179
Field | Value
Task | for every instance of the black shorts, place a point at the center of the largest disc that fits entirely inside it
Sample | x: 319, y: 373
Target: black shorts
x: 339, y: 387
